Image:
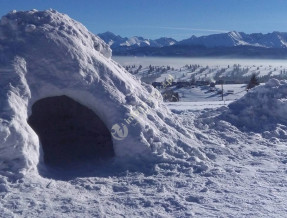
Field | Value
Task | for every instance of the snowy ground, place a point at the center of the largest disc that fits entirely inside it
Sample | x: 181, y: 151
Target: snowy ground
x: 200, y: 97
x: 246, y: 177
x: 204, y: 94
x: 195, y: 106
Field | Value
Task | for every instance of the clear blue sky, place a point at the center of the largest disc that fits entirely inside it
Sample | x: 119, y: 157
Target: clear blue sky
x: 172, y: 18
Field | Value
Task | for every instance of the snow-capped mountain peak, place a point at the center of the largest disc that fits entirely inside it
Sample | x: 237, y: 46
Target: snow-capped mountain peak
x: 229, y: 39
x: 135, y: 41
x: 234, y: 38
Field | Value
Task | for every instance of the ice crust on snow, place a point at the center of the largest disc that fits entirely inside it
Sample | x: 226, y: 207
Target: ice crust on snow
x: 45, y: 54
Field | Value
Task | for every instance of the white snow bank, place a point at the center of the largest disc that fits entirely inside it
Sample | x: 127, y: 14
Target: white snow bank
x: 261, y: 108
x: 46, y: 53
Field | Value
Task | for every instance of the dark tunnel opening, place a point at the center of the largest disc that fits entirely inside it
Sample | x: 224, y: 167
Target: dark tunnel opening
x: 69, y: 132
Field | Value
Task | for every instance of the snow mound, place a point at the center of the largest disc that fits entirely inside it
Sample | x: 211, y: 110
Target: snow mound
x: 261, y: 108
x: 45, y: 54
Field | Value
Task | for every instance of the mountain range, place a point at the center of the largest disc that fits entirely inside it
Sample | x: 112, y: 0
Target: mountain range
x: 115, y: 41
x: 224, y: 44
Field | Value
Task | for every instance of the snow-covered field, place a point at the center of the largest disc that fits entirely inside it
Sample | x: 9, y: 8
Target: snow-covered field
x: 195, y: 106
x: 200, y: 97
x: 203, y: 93
x: 245, y: 176
x: 178, y: 62
x: 206, y: 158
x: 200, y: 69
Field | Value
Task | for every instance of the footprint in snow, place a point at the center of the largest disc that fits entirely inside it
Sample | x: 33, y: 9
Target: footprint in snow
x: 120, y: 189
x: 195, y: 199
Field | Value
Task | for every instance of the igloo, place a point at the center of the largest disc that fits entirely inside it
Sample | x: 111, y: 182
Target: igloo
x: 63, y: 98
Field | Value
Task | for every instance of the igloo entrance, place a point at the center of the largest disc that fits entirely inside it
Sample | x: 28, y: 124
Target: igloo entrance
x: 69, y: 132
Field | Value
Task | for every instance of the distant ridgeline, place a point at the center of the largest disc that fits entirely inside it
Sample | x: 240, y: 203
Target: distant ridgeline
x: 232, y: 44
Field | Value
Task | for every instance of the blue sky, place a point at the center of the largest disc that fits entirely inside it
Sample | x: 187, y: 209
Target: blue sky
x: 172, y: 18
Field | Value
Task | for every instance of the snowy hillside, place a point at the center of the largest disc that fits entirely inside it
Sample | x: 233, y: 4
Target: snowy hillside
x: 225, y: 71
x: 185, y: 163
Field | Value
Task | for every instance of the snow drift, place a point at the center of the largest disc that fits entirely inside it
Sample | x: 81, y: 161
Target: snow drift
x: 45, y: 54
x: 261, y: 108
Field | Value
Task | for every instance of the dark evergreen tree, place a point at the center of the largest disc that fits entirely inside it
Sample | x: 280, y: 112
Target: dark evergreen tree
x: 253, y: 82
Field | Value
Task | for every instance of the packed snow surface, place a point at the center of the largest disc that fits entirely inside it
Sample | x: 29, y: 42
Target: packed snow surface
x: 189, y: 163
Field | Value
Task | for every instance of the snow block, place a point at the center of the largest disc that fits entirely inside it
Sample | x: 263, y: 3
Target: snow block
x: 261, y: 109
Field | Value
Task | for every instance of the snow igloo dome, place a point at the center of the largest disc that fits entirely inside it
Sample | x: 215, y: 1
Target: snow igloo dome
x: 63, y: 98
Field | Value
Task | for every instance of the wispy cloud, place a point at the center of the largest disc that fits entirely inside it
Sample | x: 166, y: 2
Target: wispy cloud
x: 178, y: 28
x: 178, y: 33
x: 193, y: 29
